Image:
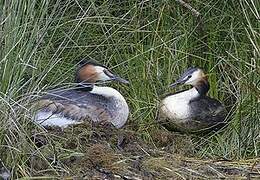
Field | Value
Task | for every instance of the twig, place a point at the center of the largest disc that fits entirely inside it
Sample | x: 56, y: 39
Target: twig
x: 189, y: 7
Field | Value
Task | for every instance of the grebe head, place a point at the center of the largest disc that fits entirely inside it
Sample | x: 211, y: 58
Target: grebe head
x: 92, y: 72
x: 195, y: 77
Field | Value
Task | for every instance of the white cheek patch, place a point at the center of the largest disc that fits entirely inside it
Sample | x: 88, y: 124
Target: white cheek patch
x: 194, y: 78
x: 101, y: 75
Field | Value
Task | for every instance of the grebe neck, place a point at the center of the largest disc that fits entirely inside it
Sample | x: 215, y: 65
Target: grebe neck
x: 84, y: 87
x: 202, y: 87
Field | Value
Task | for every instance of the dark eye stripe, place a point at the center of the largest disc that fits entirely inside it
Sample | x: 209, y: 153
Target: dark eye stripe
x: 108, y: 73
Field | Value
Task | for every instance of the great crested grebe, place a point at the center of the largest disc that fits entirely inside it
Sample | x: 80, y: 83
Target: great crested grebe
x: 63, y: 107
x: 191, y: 110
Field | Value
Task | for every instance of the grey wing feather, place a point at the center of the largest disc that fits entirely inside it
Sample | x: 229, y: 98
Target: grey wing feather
x: 81, y: 104
x: 77, y: 97
x: 208, y: 110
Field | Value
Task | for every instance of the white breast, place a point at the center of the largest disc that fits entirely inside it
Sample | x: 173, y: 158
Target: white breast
x: 123, y: 110
x: 177, y: 106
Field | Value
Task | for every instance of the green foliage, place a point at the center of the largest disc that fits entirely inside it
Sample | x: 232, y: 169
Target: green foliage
x: 148, y: 42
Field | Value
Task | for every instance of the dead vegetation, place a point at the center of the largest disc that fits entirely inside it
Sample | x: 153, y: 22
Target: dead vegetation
x: 99, y: 152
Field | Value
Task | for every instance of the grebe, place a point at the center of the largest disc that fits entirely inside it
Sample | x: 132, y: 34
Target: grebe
x: 191, y: 110
x: 63, y: 107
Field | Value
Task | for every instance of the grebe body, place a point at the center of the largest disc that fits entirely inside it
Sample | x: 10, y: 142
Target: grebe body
x: 63, y: 107
x: 191, y: 110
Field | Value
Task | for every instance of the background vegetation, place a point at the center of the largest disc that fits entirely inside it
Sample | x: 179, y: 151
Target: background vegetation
x: 149, y: 43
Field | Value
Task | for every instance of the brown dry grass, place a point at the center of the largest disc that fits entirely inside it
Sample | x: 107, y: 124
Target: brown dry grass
x: 100, y: 152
